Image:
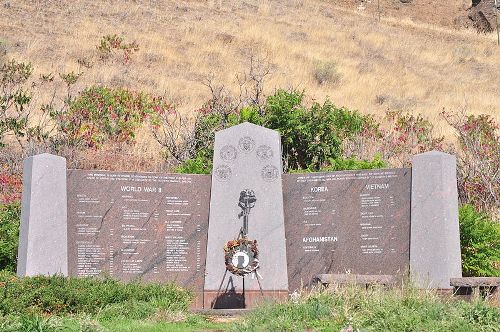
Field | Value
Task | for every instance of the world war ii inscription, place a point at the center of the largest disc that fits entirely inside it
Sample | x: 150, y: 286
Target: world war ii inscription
x: 347, y: 222
x: 150, y: 226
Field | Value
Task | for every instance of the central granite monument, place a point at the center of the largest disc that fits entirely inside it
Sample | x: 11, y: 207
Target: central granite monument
x: 246, y: 157
x: 247, y: 231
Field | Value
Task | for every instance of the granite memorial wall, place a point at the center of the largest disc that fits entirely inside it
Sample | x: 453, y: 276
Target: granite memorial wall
x: 347, y: 222
x: 138, y: 225
x: 176, y: 227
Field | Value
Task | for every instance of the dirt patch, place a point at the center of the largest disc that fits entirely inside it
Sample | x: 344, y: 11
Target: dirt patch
x: 452, y: 13
x: 224, y: 319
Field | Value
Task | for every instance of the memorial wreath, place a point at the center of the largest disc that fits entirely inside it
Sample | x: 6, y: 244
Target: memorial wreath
x: 240, y: 248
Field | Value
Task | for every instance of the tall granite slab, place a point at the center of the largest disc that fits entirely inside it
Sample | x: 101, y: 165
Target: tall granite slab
x: 347, y: 222
x: 435, y: 235
x: 247, y: 156
x: 43, y: 238
x: 147, y: 226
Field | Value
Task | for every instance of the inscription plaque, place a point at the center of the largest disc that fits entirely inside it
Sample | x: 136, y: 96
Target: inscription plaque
x: 147, y: 226
x: 347, y: 222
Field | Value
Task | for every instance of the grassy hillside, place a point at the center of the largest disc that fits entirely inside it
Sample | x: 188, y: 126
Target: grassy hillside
x: 327, y: 50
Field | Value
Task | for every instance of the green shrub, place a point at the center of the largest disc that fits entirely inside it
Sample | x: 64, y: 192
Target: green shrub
x: 480, y: 243
x: 201, y: 164
x: 346, y: 164
x: 343, y: 164
x: 62, y: 295
x: 326, y: 73
x: 15, y: 99
x: 10, y: 216
x: 310, y: 138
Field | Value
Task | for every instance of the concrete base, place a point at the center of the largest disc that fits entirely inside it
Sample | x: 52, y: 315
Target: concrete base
x: 221, y: 312
x: 197, y: 303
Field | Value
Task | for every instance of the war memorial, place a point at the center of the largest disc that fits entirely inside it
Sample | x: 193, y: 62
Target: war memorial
x: 247, y: 231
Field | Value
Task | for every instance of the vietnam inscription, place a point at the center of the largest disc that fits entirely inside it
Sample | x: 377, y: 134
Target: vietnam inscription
x: 347, y: 222
x: 150, y: 226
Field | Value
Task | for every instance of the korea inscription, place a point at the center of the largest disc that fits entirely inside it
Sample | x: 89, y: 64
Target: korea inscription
x: 347, y: 222
x: 150, y: 226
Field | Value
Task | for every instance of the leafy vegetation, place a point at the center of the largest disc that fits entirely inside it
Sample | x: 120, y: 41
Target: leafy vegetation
x: 326, y: 73
x: 480, y: 243
x: 10, y: 188
x: 396, y: 139
x: 89, y: 323
x: 9, y: 234
x: 311, y: 138
x: 110, y: 44
x: 100, y: 115
x: 343, y: 164
x: 60, y: 295
x: 478, y: 159
x: 14, y: 99
x: 375, y: 309
x: 92, y: 304
x: 134, y: 307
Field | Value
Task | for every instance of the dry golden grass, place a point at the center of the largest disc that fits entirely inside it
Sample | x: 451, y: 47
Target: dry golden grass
x: 392, y: 64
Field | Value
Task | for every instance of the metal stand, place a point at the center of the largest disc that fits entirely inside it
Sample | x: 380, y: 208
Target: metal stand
x: 260, y: 286
x: 222, y: 283
x: 218, y: 291
x: 246, y: 203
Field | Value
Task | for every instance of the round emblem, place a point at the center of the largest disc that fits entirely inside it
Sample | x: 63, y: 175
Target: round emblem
x: 264, y: 152
x: 228, y: 153
x: 269, y: 173
x: 246, y: 144
x: 240, y: 259
x: 223, y: 172
x: 241, y: 256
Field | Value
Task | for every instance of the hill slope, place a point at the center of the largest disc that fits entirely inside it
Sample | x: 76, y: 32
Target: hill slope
x: 313, y: 45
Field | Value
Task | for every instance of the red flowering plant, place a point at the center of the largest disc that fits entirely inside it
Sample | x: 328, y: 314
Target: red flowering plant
x: 478, y: 159
x: 400, y: 136
x: 409, y: 135
x: 99, y: 115
x: 10, y: 188
x: 111, y: 44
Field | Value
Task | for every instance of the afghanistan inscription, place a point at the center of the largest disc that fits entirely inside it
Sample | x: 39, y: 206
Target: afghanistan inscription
x: 347, y: 222
x: 150, y: 226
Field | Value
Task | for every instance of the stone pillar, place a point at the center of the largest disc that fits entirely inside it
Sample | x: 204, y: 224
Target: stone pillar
x: 43, y: 234
x: 435, y: 236
x: 246, y: 156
